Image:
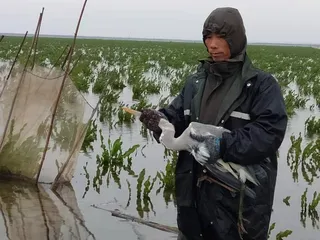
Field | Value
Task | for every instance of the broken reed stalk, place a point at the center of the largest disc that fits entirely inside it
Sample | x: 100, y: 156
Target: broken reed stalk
x: 58, y: 98
x: 117, y: 213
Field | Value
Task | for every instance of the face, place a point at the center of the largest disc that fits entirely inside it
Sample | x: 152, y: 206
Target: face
x: 218, y: 48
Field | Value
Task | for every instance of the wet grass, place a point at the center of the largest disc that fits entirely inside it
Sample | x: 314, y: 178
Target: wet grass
x: 149, y: 74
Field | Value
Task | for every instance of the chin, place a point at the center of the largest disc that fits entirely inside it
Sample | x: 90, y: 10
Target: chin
x: 218, y: 59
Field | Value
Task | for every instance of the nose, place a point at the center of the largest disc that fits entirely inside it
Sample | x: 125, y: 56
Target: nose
x: 212, y: 43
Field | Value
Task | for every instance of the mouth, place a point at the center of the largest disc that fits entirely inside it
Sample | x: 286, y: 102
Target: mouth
x: 216, y: 55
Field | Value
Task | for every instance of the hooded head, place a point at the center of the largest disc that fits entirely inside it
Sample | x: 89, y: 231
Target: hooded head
x: 224, y: 33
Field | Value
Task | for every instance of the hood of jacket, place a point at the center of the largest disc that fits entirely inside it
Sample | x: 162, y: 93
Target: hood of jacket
x: 228, y: 23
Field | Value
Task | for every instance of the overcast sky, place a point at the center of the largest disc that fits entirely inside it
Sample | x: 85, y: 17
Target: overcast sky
x: 287, y: 21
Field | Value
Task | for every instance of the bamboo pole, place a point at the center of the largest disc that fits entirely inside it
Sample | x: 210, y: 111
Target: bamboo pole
x: 59, y: 95
x: 17, y: 91
x: 37, y: 38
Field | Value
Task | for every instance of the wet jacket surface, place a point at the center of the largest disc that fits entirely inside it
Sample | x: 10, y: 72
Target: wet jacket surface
x: 254, y: 110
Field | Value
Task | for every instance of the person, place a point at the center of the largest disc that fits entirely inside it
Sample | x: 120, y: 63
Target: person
x: 228, y: 91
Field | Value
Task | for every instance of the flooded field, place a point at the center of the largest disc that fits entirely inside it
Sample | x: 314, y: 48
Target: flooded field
x: 122, y: 167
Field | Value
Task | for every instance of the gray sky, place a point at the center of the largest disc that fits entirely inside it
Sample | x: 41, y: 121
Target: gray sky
x: 288, y: 21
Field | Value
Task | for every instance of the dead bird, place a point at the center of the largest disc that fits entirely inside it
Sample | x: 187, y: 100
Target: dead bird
x: 197, y: 140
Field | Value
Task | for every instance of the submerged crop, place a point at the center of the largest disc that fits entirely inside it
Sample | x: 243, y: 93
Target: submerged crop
x: 140, y: 74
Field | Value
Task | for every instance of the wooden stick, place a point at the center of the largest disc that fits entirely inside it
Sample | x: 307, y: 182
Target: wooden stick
x: 36, y: 36
x: 54, y: 111
x: 15, y: 59
x: 117, y: 213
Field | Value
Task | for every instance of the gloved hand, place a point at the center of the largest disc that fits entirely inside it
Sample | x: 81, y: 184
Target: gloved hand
x: 150, y: 118
x: 207, y: 149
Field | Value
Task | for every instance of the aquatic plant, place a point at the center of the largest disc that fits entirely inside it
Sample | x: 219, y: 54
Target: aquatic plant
x: 91, y: 136
x: 312, y: 126
x: 280, y: 235
x: 141, y: 74
x: 307, y: 158
x: 309, y: 210
x: 112, y: 161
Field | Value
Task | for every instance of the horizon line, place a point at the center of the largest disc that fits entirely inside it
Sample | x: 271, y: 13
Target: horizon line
x: 143, y: 39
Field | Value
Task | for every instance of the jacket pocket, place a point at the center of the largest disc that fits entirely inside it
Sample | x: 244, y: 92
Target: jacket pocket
x: 184, y: 188
x: 184, y: 180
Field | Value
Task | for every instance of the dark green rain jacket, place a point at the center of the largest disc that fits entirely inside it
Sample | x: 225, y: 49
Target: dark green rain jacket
x: 253, y: 109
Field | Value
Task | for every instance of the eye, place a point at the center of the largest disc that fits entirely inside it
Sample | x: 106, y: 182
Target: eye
x: 221, y: 34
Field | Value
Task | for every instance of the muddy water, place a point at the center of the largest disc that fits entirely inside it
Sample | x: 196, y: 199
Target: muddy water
x: 39, y: 213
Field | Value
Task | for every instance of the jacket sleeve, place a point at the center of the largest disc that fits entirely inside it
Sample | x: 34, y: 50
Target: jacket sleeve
x: 263, y: 136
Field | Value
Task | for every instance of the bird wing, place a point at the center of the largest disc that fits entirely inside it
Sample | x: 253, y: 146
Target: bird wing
x: 200, y: 132
x: 227, y: 167
x: 207, y: 129
x: 229, y: 180
x: 249, y: 175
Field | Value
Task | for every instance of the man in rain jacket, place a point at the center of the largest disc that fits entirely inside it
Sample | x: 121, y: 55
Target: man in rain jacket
x: 228, y: 91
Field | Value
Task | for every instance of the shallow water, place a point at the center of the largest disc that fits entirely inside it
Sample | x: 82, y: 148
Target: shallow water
x: 285, y: 217
x: 101, y: 223
x: 39, y: 213
x: 288, y: 217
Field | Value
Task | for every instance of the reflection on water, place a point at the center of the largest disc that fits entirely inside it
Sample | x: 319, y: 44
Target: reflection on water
x: 36, y: 212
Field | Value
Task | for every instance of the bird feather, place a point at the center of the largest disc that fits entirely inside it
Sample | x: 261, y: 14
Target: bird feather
x: 246, y: 173
x: 227, y: 167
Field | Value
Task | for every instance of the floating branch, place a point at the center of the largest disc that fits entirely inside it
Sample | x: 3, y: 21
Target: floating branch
x: 117, y: 213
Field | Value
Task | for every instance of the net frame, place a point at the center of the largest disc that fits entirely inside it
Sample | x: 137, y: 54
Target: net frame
x: 67, y: 168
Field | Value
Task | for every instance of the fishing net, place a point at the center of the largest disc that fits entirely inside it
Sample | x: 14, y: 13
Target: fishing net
x: 37, y: 140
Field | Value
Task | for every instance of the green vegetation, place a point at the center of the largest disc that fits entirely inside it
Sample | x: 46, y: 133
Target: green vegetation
x: 141, y: 74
